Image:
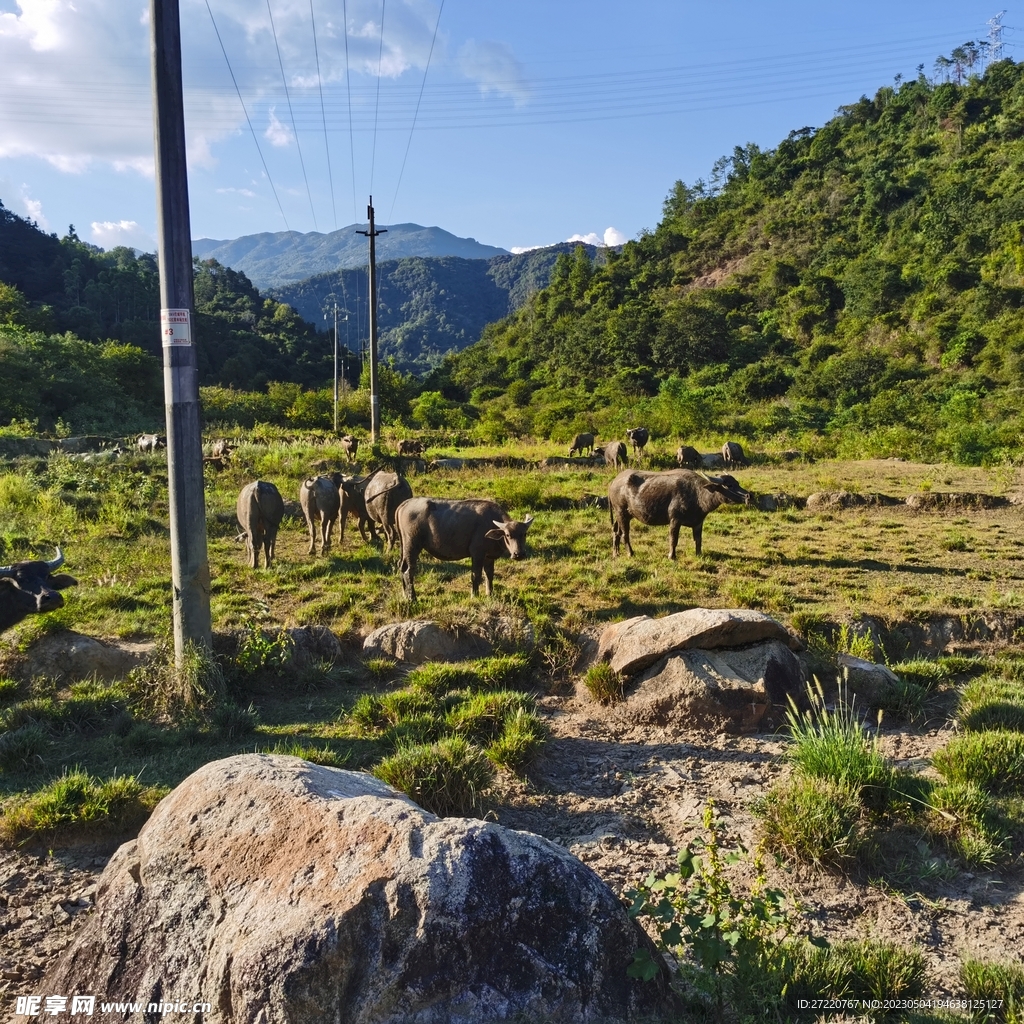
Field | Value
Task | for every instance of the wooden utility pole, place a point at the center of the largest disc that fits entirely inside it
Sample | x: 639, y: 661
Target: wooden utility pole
x: 374, y: 390
x: 190, y: 566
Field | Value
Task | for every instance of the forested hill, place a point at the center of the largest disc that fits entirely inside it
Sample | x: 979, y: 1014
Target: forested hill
x: 860, y: 284
x: 428, y: 306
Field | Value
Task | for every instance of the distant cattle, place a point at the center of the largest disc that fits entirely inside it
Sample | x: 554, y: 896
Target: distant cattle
x: 411, y: 446
x: 353, y: 503
x: 453, y: 530
x: 321, y: 501
x: 732, y: 454
x: 349, y: 445
x: 448, y: 464
x: 688, y: 458
x: 221, y: 449
x: 638, y: 437
x: 712, y: 461
x: 615, y: 454
x: 31, y: 588
x: 382, y: 495
x: 582, y: 443
x: 674, y: 498
x: 260, y: 511
x: 151, y: 442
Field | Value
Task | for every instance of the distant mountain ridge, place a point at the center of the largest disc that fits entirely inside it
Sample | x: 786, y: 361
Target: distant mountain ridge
x: 274, y: 259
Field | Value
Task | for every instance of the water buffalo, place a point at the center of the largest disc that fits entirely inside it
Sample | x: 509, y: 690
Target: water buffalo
x: 448, y: 464
x: 30, y: 588
x: 383, y: 494
x: 615, y: 454
x: 638, y: 436
x: 353, y: 503
x: 453, y: 530
x: 321, y: 502
x: 688, y: 458
x: 732, y: 454
x: 673, y: 498
x: 410, y: 446
x: 150, y: 442
x: 260, y: 511
x: 221, y: 449
x: 712, y: 461
x: 349, y: 445
x: 581, y: 443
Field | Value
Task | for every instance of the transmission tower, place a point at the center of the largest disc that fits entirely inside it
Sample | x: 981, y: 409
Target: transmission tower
x: 995, y: 38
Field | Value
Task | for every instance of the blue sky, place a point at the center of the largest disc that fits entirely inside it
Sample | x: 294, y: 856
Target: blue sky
x: 540, y: 120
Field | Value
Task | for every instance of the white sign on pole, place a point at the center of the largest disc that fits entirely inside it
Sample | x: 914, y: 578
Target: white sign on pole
x: 175, y: 327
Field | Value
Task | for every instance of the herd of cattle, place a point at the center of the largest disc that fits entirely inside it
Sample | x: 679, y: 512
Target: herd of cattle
x: 448, y: 529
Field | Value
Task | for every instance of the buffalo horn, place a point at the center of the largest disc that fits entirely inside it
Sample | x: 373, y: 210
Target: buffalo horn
x: 527, y: 520
x: 57, y: 562
x: 498, y: 523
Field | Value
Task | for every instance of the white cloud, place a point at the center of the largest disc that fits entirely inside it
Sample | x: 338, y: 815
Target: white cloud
x: 517, y: 249
x: 495, y: 68
x: 612, y: 236
x: 279, y: 134
x: 247, y: 192
x: 589, y: 239
x: 34, y: 209
x: 110, y: 233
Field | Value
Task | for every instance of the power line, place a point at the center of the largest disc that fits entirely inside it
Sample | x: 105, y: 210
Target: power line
x: 291, y: 114
x: 348, y: 93
x: 323, y: 116
x: 419, y: 99
x: 247, y: 118
x: 380, y: 58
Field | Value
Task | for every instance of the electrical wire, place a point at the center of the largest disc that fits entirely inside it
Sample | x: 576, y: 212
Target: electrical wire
x: 247, y: 118
x: 323, y: 116
x: 291, y: 115
x: 416, y: 112
x: 380, y: 58
x: 348, y: 94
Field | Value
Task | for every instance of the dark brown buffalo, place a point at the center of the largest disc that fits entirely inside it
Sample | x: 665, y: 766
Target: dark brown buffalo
x: 321, y: 501
x: 30, y: 588
x: 582, y: 443
x: 688, y: 458
x: 615, y: 454
x: 260, y: 511
x: 353, y: 503
x: 674, y: 498
x: 638, y: 437
x: 453, y: 530
x: 411, y: 446
x: 383, y: 494
x: 732, y: 454
x: 349, y: 445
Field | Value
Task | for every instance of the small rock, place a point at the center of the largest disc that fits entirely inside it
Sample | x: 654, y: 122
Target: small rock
x: 60, y: 915
x: 873, y: 682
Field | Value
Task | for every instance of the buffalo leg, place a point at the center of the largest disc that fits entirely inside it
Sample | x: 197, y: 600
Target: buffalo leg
x: 328, y: 530
x: 489, y: 576
x: 476, y: 573
x: 342, y: 516
x: 252, y: 549
x: 673, y: 537
x: 270, y: 544
x: 625, y: 535
x: 407, y: 567
x: 698, y: 531
x: 311, y: 523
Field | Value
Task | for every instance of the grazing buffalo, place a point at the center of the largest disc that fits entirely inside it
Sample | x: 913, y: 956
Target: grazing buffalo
x: 321, y: 502
x: 383, y: 494
x: 712, y: 461
x: 732, y: 454
x: 30, y: 588
x: 453, y: 530
x: 615, y: 454
x: 674, y: 498
x: 638, y: 436
x: 411, y: 446
x: 150, y: 442
x: 582, y: 443
x: 260, y: 511
x: 688, y: 458
x: 353, y: 503
x: 349, y: 445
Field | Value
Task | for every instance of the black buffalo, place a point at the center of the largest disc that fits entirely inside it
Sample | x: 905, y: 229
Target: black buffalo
x: 30, y: 588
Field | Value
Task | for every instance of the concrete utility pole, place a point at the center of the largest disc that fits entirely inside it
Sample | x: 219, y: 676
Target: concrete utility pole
x: 335, y: 301
x: 190, y: 566
x: 374, y: 391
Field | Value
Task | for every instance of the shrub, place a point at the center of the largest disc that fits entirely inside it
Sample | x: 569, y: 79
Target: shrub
x: 262, y: 649
x: 1002, y: 984
x: 446, y: 777
x: 23, y: 748
x: 604, y: 683
x: 992, y: 760
x: 520, y: 741
x: 231, y: 722
x: 814, y: 820
x: 78, y: 800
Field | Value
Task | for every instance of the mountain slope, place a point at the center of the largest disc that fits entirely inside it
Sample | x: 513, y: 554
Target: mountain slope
x: 278, y: 258
x: 860, y: 288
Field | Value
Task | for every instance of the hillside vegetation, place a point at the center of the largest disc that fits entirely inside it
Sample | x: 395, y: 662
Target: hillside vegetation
x: 857, y: 290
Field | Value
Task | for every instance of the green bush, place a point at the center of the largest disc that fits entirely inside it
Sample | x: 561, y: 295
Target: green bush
x: 445, y: 778
x: 992, y: 760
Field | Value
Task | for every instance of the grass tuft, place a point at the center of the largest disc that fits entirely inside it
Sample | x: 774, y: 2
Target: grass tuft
x: 604, y: 684
x: 445, y: 778
x: 992, y: 760
x: 325, y: 755
x: 231, y: 722
x: 520, y: 741
x: 23, y: 748
x: 1001, y: 985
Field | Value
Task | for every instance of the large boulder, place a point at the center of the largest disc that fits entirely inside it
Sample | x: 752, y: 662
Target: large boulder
x: 634, y: 644
x: 67, y: 656
x: 419, y: 640
x: 740, y: 690
x: 281, y: 891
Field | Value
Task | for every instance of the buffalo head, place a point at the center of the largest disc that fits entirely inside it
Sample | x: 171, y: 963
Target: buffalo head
x: 729, y: 487
x: 513, y: 535
x: 29, y: 588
